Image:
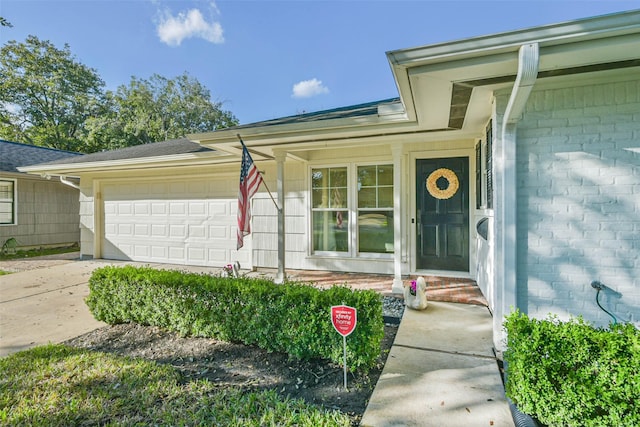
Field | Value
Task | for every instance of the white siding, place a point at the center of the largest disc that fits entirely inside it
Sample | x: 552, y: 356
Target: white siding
x: 47, y: 213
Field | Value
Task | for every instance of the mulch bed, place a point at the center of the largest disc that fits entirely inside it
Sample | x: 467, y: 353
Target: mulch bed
x: 232, y: 365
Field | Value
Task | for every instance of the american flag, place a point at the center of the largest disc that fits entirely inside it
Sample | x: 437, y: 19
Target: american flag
x: 250, y: 180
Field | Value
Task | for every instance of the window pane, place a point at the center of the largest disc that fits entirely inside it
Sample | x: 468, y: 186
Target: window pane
x: 367, y: 198
x: 385, y: 197
x: 338, y: 177
x: 320, y: 198
x: 366, y: 176
x: 6, y: 213
x: 319, y: 178
x: 6, y: 190
x: 338, y: 198
x: 330, y: 231
x: 385, y: 175
x: 375, y: 232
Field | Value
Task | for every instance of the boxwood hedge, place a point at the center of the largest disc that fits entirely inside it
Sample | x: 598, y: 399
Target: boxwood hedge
x: 573, y: 374
x: 292, y: 318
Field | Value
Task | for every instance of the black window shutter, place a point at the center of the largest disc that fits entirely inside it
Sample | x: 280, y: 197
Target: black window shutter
x: 489, y: 165
x: 479, y: 171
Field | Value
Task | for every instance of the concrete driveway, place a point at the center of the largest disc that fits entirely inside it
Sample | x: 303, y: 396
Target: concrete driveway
x: 45, y: 305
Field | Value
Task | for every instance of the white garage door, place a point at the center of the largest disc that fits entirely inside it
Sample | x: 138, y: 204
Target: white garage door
x: 188, y: 221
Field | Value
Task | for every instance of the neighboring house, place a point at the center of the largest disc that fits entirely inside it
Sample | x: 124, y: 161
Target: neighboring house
x: 36, y: 211
x: 513, y: 159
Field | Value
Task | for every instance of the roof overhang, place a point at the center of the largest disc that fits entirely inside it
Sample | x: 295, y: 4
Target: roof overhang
x: 450, y: 85
x: 79, y: 168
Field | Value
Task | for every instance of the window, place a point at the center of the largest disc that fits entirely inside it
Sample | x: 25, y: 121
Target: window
x: 375, y: 208
x: 330, y: 217
x: 352, y: 209
x: 7, y: 202
x: 484, y: 171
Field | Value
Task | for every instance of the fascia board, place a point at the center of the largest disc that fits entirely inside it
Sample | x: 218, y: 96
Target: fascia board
x: 285, y: 134
x: 74, y: 168
x: 592, y: 28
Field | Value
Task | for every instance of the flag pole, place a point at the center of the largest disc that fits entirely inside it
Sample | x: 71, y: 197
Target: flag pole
x: 263, y: 181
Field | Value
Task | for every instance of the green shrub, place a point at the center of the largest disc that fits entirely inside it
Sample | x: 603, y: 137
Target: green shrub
x: 292, y: 318
x: 572, y: 374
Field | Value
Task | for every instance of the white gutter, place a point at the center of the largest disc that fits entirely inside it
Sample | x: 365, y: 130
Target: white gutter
x: 506, y: 274
x: 65, y: 181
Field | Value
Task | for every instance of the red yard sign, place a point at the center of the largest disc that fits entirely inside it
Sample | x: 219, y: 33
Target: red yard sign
x: 344, y: 319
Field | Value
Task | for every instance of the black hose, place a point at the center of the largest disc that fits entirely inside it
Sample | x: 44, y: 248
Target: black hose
x: 615, y: 321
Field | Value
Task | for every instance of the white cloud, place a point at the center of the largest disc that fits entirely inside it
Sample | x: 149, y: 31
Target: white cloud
x: 173, y: 29
x: 309, y: 88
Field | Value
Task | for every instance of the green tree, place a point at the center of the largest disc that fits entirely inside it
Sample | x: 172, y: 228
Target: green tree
x: 5, y: 23
x: 153, y: 110
x: 46, y: 95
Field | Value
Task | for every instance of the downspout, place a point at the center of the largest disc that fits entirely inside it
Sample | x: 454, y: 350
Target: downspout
x: 528, y: 61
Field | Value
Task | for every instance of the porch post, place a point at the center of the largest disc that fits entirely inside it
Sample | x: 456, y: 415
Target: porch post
x: 280, y: 159
x: 396, y: 287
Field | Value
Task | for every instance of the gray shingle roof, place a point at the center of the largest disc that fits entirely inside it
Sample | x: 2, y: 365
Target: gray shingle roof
x: 185, y: 146
x: 164, y: 148
x: 360, y: 110
x: 15, y: 154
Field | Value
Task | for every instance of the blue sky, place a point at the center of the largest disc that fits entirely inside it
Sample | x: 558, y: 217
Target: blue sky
x: 268, y: 59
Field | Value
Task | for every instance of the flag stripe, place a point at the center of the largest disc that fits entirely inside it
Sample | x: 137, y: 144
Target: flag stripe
x: 250, y: 180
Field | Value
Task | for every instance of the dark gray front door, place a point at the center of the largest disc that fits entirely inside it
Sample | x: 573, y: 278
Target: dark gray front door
x: 442, y: 193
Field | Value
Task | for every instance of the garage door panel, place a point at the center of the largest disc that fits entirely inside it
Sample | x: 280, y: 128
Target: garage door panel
x: 141, y: 208
x: 141, y: 230
x: 159, y: 209
x: 197, y: 231
x: 124, y: 208
x: 177, y: 208
x: 159, y: 252
x: 159, y: 230
x: 179, y: 231
x: 197, y: 208
x: 218, y: 232
x: 180, y: 222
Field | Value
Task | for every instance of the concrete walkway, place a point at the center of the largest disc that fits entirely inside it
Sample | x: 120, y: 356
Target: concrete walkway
x: 441, y: 371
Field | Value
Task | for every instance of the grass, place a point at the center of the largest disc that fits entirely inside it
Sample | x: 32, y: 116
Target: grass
x: 2, y: 272
x: 57, y: 385
x: 37, y: 252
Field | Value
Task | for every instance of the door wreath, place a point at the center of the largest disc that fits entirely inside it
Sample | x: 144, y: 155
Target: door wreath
x: 443, y: 193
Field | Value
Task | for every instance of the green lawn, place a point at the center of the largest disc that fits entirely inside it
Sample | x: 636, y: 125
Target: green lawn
x: 2, y: 272
x: 57, y: 385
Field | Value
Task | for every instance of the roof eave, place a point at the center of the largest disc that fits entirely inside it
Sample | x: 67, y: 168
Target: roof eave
x: 568, y: 32
x: 76, y: 169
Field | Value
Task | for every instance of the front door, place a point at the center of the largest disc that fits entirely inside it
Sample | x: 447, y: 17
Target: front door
x: 442, y: 213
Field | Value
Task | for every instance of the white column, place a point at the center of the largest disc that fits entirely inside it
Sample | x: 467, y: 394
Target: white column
x: 397, y: 219
x: 280, y: 159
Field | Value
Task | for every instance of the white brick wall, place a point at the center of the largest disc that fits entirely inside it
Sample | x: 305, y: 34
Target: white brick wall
x: 579, y: 201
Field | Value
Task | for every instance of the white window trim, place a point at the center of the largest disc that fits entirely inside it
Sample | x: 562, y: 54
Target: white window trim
x: 352, y: 209
x: 15, y: 202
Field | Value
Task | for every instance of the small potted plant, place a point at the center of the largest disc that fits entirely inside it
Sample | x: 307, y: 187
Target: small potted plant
x: 415, y: 294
